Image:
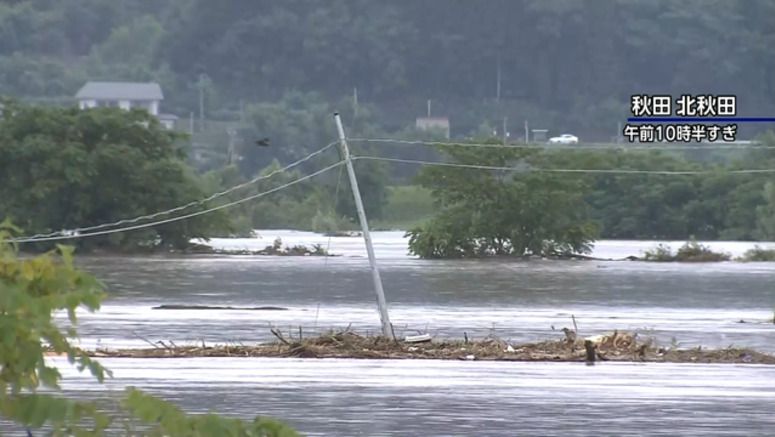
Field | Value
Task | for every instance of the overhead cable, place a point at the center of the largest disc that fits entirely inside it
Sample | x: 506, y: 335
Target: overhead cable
x: 177, y: 218
x: 187, y: 205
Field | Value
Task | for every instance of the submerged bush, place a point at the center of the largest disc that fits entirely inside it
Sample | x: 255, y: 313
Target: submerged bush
x: 691, y: 251
x: 480, y: 214
x: 660, y: 253
x: 758, y: 254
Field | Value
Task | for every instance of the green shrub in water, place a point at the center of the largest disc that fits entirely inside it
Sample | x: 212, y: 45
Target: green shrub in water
x: 758, y: 254
x: 691, y: 251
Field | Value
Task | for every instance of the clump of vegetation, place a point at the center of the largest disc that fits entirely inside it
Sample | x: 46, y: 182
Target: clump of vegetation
x: 31, y: 290
x: 407, y: 207
x: 275, y: 249
x: 661, y: 253
x: 298, y: 250
x: 329, y: 222
x: 758, y: 254
x: 691, y: 251
x: 65, y: 168
x: 480, y: 214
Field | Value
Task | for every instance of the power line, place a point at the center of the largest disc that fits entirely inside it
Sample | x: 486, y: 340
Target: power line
x: 558, y: 170
x: 708, y: 146
x: 190, y: 204
x: 174, y: 219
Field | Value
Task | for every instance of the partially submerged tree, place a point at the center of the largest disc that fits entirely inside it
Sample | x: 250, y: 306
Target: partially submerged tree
x: 63, y: 168
x: 502, y: 212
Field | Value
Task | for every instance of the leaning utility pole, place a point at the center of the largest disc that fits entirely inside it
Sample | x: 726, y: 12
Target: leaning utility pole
x: 387, y: 328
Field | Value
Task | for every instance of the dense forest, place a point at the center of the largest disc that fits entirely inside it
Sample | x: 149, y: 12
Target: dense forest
x: 565, y: 65
x: 280, y: 69
x: 549, y: 211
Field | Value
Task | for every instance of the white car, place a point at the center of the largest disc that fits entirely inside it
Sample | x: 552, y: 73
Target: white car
x: 564, y: 139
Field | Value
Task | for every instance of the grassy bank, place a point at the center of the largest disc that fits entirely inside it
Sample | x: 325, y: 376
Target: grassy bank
x: 621, y: 347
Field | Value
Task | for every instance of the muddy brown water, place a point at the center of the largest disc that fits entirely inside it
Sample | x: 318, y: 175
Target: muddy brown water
x: 714, y: 305
x: 451, y: 398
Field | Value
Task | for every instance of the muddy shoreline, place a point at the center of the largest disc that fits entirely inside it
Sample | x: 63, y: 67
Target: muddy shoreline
x: 614, y: 347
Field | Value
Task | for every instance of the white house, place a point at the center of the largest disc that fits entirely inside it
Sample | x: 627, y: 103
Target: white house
x: 125, y: 95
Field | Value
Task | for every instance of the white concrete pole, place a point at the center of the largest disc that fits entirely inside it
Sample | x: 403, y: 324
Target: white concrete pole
x: 387, y: 329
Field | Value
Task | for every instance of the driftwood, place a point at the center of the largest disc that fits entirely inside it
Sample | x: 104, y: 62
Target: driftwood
x: 618, y: 346
x: 144, y: 339
x: 570, y: 338
x: 279, y: 336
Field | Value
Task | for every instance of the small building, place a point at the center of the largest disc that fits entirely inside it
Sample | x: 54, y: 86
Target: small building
x: 540, y: 135
x: 168, y: 120
x: 437, y: 124
x: 124, y: 95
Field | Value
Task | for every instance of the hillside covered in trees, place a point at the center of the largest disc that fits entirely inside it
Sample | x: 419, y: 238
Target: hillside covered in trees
x: 280, y: 69
x: 566, y: 65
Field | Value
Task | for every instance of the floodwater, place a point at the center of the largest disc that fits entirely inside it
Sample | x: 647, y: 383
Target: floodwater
x: 714, y: 305
x: 444, y: 398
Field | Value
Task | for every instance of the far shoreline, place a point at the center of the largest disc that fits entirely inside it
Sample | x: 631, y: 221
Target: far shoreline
x: 314, y: 243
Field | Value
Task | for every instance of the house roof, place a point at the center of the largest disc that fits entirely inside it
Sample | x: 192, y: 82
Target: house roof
x: 120, y: 91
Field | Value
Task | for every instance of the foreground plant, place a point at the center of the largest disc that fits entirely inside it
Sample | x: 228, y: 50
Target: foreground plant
x: 31, y: 290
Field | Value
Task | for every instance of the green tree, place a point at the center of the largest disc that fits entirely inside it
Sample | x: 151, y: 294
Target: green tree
x: 765, y: 214
x: 573, y: 64
x: 64, y: 168
x: 498, y: 212
x: 31, y: 290
x: 372, y: 184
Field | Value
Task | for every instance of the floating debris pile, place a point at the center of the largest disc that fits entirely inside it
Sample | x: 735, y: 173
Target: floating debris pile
x: 618, y: 346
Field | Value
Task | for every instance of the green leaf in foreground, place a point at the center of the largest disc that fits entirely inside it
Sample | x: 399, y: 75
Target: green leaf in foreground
x: 31, y: 290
